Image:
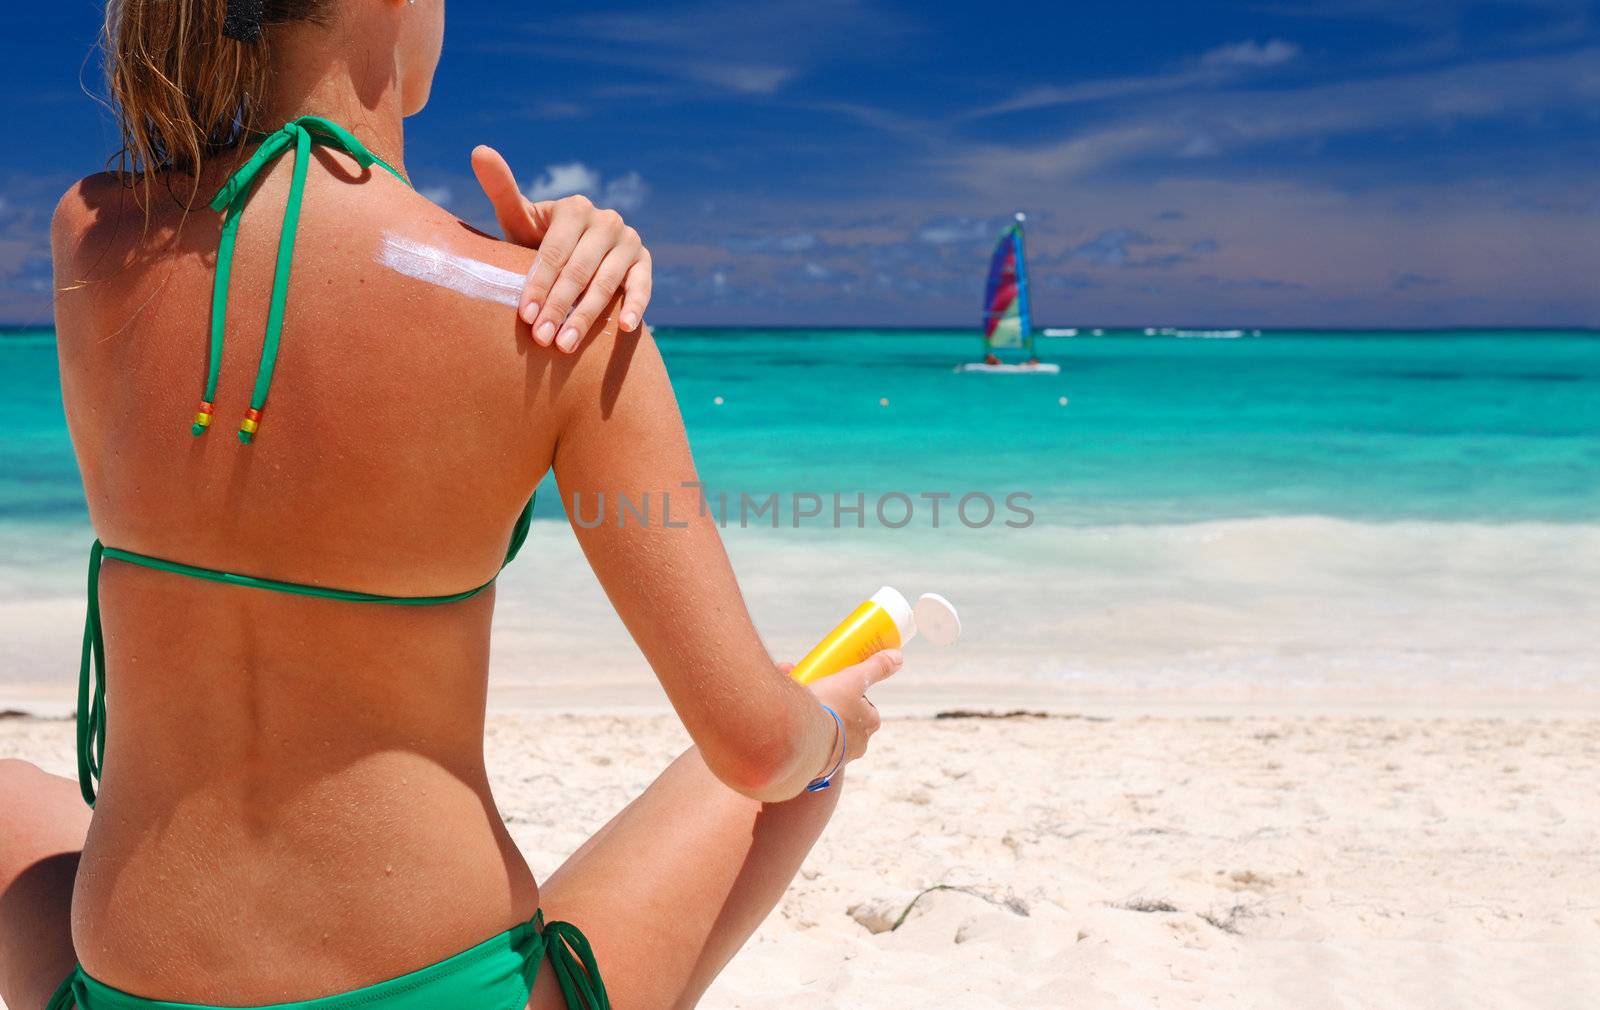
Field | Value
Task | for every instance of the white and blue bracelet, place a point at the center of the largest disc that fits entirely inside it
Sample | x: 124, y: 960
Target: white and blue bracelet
x: 819, y: 784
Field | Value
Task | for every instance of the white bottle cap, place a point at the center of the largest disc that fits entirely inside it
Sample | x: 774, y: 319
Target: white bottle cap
x: 937, y: 619
x: 899, y: 611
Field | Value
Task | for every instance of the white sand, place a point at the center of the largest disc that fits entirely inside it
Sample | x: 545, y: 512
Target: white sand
x: 1294, y: 749
x: 1135, y: 861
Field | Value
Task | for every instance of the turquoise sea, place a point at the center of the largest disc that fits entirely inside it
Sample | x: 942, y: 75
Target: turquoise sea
x: 1299, y: 517
x: 1490, y: 425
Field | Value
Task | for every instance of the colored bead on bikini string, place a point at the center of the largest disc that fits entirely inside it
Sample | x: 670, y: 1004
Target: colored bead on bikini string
x: 247, y: 427
x: 202, y: 418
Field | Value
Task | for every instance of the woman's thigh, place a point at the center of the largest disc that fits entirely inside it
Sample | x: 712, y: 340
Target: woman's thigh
x: 41, y: 838
x: 674, y: 885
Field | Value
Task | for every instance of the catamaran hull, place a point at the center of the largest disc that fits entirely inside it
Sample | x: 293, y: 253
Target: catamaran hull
x: 1042, y: 368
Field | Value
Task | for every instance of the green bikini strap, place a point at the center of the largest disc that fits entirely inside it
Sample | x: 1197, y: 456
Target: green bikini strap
x: 91, y: 714
x: 299, y: 134
x: 69, y: 993
x: 92, y: 687
x: 561, y: 943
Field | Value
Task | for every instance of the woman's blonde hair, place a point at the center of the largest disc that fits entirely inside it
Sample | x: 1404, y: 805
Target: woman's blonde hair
x: 180, y: 88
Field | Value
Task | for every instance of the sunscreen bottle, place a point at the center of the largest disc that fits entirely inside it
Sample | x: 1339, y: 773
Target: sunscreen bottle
x: 885, y: 621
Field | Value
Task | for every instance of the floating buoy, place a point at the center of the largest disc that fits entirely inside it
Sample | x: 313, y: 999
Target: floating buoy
x: 883, y: 401
x: 717, y: 400
x: 1062, y: 401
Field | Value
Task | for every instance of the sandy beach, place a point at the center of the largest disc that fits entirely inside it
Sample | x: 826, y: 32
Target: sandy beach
x: 1289, y: 763
x: 1119, y: 861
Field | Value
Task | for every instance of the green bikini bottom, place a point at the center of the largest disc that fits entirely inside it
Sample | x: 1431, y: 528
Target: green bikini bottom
x: 497, y: 974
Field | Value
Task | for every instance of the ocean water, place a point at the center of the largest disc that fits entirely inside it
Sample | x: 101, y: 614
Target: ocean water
x: 1492, y: 426
x: 1484, y: 425
x: 1361, y: 513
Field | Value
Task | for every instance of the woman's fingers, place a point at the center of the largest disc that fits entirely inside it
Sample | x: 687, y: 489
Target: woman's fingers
x: 881, y: 666
x: 607, y: 279
x: 846, y: 693
x: 875, y: 670
x: 637, y: 285
x: 521, y: 222
x: 500, y: 186
x: 566, y: 227
x: 574, y: 277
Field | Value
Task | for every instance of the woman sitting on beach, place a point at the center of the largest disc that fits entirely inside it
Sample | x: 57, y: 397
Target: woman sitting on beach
x: 287, y: 648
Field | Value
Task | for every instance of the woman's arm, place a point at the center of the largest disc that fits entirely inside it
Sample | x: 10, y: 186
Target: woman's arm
x: 607, y: 421
x: 621, y: 435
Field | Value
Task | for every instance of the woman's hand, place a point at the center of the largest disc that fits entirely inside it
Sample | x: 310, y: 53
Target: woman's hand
x: 846, y: 693
x: 585, y: 255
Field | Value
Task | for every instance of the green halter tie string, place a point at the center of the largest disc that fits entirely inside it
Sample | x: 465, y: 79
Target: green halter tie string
x: 230, y: 199
x: 573, y: 960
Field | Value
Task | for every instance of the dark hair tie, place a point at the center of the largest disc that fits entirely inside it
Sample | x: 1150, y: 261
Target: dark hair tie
x: 243, y: 20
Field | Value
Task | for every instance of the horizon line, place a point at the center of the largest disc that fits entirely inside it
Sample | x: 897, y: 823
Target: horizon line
x: 1083, y: 328
x: 16, y: 328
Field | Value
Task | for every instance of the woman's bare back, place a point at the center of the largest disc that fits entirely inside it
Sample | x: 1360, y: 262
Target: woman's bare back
x: 320, y: 761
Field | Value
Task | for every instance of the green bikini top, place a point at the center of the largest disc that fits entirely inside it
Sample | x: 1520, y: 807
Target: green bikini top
x: 299, y: 135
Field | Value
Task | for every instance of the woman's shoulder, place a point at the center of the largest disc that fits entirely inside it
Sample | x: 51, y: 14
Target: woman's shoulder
x: 429, y: 245
x: 112, y: 196
x: 105, y: 222
x: 91, y: 203
x: 451, y: 291
x: 449, y: 270
x: 91, y: 192
x: 398, y: 236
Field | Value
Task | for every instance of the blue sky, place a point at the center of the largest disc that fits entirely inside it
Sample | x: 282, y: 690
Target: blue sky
x: 1317, y: 162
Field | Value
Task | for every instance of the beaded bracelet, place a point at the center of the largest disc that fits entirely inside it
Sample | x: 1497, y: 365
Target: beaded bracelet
x: 819, y: 784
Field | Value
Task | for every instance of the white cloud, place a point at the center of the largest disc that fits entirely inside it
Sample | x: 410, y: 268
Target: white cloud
x: 564, y: 180
x: 625, y: 192
x: 556, y: 110
x: 441, y: 195
x: 949, y: 231
x: 1108, y: 90
x: 1223, y: 121
x: 1250, y: 53
x: 709, y: 45
x: 996, y: 167
x: 1214, y: 68
x: 772, y: 243
x: 750, y: 79
x: 25, y: 270
x: 1441, y: 29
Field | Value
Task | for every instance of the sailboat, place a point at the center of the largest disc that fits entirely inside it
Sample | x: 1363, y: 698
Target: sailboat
x: 1007, y: 315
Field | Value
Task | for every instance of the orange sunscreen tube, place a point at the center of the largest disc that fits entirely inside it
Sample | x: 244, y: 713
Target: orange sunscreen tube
x: 886, y: 621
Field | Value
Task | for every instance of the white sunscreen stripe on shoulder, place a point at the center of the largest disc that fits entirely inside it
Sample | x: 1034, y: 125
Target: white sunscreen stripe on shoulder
x: 470, y: 277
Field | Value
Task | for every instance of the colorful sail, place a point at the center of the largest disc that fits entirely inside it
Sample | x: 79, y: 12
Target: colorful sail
x: 1007, y: 322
